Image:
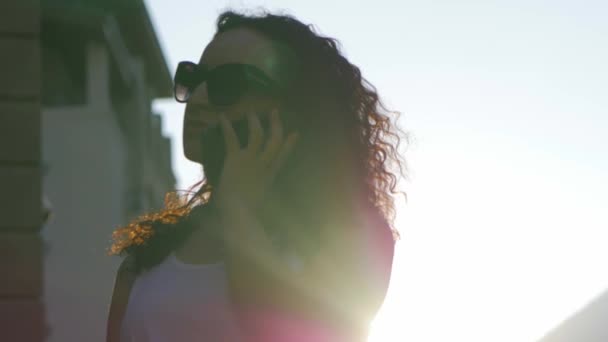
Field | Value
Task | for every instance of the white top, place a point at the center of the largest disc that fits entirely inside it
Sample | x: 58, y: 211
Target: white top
x: 175, y: 301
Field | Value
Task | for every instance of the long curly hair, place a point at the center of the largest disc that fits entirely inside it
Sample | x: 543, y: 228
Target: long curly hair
x: 339, y: 116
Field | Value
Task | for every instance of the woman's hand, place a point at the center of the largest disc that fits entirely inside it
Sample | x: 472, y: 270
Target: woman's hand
x: 245, y: 179
x: 248, y: 172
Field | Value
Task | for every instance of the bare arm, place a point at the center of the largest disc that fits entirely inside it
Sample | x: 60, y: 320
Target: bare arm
x: 120, y: 298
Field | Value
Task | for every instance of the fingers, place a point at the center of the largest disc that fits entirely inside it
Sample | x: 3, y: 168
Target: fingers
x: 283, y: 153
x: 230, y: 138
x: 273, y: 145
x: 276, y: 149
x: 256, y: 133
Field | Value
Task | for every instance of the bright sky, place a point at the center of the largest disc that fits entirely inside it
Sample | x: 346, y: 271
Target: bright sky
x: 505, y: 229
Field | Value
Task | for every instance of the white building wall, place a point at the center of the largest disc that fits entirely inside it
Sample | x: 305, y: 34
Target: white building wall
x: 86, y: 181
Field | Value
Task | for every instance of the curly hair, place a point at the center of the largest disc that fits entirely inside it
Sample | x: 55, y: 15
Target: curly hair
x: 337, y: 111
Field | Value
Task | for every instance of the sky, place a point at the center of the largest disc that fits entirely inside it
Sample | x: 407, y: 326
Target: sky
x: 504, y: 230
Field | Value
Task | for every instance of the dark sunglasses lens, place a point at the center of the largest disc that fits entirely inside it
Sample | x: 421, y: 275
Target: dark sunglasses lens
x: 226, y: 85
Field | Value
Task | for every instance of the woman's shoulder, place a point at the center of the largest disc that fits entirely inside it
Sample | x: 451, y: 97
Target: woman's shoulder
x: 127, y: 272
x: 153, y: 249
x: 127, y: 265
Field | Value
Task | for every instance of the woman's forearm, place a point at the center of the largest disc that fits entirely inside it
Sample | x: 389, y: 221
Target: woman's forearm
x: 255, y: 270
x: 258, y: 273
x: 341, y: 282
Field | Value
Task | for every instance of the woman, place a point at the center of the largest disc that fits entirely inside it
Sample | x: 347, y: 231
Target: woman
x: 288, y: 237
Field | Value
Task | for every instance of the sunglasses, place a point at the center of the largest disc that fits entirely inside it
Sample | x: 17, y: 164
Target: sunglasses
x: 226, y: 83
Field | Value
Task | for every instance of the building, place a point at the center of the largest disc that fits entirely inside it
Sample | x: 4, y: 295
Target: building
x: 21, y: 304
x: 77, y: 131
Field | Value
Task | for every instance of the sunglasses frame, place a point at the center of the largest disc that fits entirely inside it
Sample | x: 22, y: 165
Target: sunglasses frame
x: 200, y: 74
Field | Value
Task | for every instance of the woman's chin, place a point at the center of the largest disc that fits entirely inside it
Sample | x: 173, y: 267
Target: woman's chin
x: 194, y: 156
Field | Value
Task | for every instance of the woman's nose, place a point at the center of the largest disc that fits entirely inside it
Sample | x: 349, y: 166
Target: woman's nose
x: 199, y: 108
x: 199, y: 95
